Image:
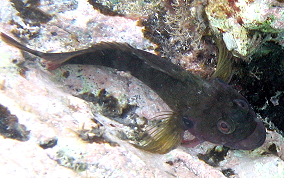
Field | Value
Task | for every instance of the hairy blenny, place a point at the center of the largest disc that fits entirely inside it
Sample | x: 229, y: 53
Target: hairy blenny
x: 209, y: 109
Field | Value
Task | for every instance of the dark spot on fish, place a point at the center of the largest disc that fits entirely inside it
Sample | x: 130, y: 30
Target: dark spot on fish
x: 187, y: 122
x: 228, y: 172
x: 10, y: 127
x: 214, y: 157
x: 66, y: 74
x: 50, y: 143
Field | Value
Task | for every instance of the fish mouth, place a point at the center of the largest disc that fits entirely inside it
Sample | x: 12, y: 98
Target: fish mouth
x: 253, y: 141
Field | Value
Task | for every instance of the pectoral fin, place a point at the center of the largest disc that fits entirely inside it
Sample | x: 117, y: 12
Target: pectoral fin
x: 162, y: 137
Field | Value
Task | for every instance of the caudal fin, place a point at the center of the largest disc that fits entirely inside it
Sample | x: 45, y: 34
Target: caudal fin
x: 51, y: 60
x: 13, y: 42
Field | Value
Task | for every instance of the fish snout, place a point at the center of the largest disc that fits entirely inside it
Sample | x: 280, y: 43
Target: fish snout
x: 253, y: 141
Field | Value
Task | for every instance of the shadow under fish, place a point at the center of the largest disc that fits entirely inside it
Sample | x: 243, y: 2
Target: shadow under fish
x: 211, y: 110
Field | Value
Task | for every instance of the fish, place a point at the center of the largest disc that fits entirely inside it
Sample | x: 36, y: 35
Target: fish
x: 210, y: 109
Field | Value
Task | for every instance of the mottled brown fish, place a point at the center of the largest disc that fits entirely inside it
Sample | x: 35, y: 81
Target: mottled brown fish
x: 209, y: 109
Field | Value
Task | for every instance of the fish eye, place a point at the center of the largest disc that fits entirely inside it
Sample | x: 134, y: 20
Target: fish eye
x: 242, y: 104
x: 225, y: 127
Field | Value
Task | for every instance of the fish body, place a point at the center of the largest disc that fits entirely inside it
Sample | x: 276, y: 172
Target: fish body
x: 209, y: 109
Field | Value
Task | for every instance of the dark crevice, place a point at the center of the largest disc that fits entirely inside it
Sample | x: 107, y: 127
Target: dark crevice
x: 10, y: 127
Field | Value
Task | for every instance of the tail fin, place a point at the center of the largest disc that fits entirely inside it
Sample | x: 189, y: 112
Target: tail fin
x: 13, y: 42
x: 52, y: 60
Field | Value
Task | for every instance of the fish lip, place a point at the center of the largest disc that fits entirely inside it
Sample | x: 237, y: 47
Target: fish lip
x: 253, y: 141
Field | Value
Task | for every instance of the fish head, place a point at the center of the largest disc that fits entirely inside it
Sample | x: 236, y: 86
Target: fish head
x: 225, y: 117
